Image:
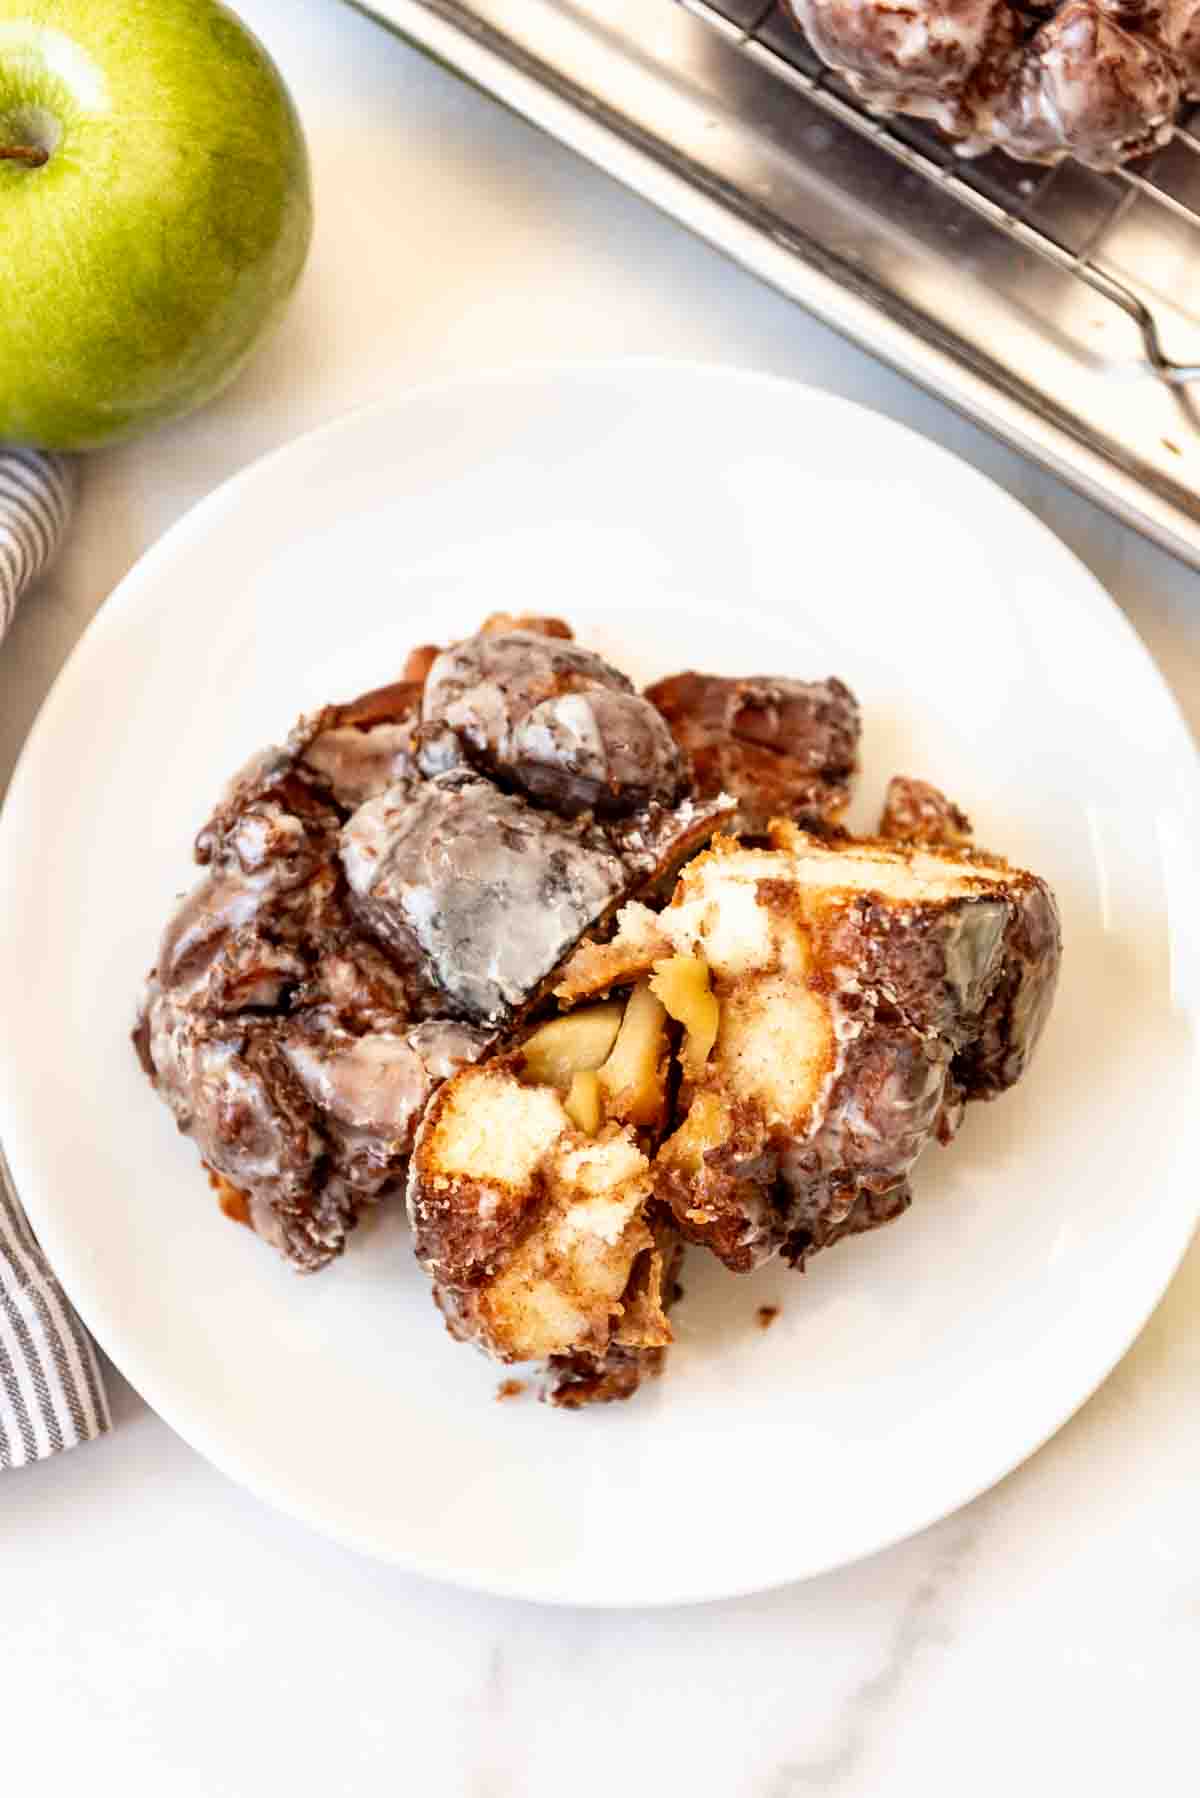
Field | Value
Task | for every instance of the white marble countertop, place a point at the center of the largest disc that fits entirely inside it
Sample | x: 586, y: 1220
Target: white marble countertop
x: 163, y: 1633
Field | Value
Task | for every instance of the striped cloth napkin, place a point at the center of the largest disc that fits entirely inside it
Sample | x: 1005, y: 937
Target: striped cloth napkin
x: 51, y: 1392
x: 35, y: 502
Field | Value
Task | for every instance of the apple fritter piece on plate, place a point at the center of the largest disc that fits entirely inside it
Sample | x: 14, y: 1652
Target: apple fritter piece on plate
x: 339, y: 756
x: 544, y: 714
x: 357, y: 750
x: 783, y: 748
x: 862, y: 991
x: 306, y: 1123
x: 850, y: 978
x: 535, y: 1234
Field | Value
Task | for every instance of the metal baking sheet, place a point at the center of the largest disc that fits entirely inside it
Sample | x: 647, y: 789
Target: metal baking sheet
x: 711, y: 112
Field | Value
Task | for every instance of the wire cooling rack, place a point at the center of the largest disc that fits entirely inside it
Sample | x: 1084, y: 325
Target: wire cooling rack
x: 1023, y: 200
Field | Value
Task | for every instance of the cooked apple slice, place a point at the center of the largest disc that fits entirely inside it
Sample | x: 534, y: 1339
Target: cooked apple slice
x: 575, y: 1044
x: 682, y: 983
x: 584, y: 1103
x: 634, y: 1078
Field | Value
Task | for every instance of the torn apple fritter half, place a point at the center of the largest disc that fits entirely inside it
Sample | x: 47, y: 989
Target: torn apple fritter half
x: 800, y: 1021
x: 865, y: 990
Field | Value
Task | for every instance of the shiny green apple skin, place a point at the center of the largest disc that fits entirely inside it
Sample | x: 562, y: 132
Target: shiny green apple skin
x: 142, y: 261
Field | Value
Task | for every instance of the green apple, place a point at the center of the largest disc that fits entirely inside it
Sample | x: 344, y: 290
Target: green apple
x: 155, y: 211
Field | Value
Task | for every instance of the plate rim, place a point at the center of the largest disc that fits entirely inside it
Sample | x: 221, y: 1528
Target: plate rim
x: 196, y: 520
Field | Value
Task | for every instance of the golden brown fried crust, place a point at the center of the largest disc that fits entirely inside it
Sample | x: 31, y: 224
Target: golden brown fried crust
x: 498, y: 624
x: 535, y: 1234
x: 235, y: 1204
x: 455, y: 1233
x: 419, y: 662
x: 573, y: 1381
x: 720, y: 1182
x: 382, y: 705
x: 596, y: 969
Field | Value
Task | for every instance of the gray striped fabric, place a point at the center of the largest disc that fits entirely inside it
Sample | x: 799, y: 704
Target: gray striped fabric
x: 35, y: 503
x: 51, y: 1393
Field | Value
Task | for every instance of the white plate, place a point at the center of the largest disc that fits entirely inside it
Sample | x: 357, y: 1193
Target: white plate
x: 678, y: 517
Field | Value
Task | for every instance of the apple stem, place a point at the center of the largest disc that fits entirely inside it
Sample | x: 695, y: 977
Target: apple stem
x: 32, y: 156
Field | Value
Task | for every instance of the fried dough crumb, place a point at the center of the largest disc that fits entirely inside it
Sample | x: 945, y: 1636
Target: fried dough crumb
x: 509, y: 1389
x: 766, y: 1315
x: 234, y: 1204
